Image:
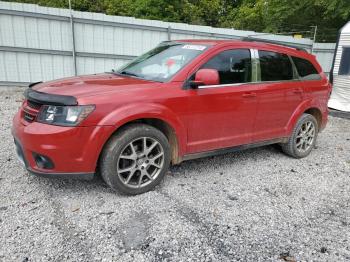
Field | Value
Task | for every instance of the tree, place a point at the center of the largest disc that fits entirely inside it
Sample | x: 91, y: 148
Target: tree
x: 285, y: 16
x: 271, y: 16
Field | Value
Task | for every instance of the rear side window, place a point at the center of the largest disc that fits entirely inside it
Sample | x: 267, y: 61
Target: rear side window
x: 275, y: 66
x: 234, y: 66
x: 306, y: 69
x: 345, y: 62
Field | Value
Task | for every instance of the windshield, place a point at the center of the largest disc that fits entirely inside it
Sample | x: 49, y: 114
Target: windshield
x: 162, y: 62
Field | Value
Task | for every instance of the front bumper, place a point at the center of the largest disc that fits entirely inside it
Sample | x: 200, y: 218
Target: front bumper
x: 23, y: 160
x: 74, y: 151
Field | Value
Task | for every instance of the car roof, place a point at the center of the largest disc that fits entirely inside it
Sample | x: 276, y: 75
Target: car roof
x: 250, y: 44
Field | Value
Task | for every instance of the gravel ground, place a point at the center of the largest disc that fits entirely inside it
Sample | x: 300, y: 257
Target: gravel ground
x: 255, y: 205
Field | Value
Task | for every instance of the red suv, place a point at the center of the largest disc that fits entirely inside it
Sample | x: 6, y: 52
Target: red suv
x: 182, y: 100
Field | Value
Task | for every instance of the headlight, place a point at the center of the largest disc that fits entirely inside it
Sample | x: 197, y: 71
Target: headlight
x: 64, y: 115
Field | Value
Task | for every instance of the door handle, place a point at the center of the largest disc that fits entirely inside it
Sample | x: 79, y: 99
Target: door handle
x: 249, y: 95
x: 297, y: 91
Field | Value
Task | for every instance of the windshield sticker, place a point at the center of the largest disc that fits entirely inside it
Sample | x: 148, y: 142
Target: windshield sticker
x: 194, y: 47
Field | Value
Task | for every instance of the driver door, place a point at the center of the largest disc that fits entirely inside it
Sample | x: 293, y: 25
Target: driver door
x: 223, y: 115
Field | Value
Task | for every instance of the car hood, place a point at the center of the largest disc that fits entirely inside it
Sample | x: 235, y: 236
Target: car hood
x: 91, y: 85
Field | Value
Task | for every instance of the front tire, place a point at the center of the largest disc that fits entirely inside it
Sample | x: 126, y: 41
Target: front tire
x: 303, y: 138
x: 136, y: 159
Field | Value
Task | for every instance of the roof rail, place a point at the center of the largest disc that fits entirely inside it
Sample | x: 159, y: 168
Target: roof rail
x: 254, y: 39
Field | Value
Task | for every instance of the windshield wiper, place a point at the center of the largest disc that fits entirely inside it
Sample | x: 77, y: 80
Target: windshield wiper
x: 128, y: 73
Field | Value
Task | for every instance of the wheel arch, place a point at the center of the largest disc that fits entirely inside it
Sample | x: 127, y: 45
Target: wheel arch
x: 309, y: 108
x: 316, y: 113
x: 164, y: 126
x: 154, y: 114
x: 167, y: 129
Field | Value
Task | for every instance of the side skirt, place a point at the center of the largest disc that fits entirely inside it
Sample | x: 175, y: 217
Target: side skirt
x: 232, y: 149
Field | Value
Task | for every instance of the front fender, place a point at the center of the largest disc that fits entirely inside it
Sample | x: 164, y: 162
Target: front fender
x: 132, y: 112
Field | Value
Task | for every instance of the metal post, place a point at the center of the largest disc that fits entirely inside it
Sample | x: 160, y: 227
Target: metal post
x: 73, y: 39
x: 169, y: 33
x: 314, y: 39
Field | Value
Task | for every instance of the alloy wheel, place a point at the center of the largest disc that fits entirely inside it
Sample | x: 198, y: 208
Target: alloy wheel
x: 140, y: 162
x: 305, y: 136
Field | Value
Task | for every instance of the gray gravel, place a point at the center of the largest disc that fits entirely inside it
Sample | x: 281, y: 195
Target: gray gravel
x: 255, y: 205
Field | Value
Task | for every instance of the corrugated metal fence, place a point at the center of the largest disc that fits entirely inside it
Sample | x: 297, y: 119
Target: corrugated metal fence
x: 324, y: 53
x: 38, y: 43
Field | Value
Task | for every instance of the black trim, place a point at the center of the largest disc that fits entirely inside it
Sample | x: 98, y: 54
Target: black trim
x: 49, y: 99
x: 20, y: 153
x: 254, y: 39
x: 79, y: 176
x: 339, y: 114
x: 34, y: 83
x: 232, y: 149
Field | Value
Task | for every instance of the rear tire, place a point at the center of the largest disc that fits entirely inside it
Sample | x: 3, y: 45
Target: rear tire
x: 136, y: 159
x: 303, y: 138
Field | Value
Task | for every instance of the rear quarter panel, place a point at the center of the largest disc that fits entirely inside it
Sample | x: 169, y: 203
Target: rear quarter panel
x: 316, y: 95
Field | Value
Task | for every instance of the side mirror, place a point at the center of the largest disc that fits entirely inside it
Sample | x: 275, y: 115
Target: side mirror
x: 205, y: 77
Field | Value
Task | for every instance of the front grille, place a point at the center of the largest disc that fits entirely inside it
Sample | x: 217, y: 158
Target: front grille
x: 28, y: 117
x: 33, y: 105
x: 30, y: 110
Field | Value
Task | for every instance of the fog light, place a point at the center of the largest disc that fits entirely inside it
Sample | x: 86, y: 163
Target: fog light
x: 43, y: 161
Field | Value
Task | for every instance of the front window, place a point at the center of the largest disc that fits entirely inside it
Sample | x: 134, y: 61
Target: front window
x: 233, y: 66
x: 163, y: 62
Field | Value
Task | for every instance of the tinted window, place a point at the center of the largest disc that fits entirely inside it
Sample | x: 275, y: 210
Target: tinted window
x: 234, y: 66
x: 345, y: 62
x: 305, y: 69
x: 275, y: 66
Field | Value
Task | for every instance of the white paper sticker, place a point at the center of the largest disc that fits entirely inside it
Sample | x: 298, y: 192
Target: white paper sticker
x: 194, y: 47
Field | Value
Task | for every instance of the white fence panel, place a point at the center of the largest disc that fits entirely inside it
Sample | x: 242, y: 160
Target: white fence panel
x: 324, y: 53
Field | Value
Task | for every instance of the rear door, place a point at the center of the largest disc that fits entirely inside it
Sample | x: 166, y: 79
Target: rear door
x: 279, y: 94
x: 223, y: 115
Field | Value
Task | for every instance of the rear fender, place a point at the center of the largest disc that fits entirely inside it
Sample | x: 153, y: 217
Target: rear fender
x: 304, y: 106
